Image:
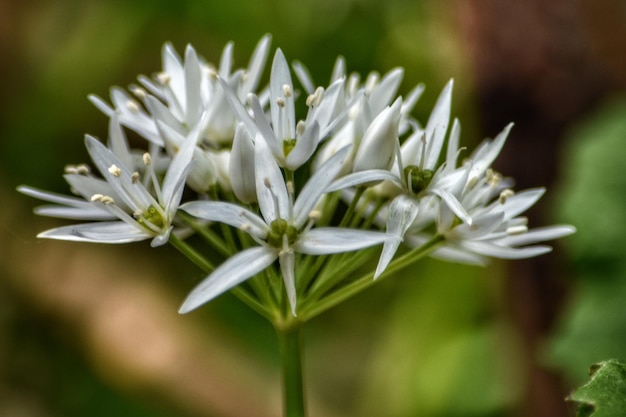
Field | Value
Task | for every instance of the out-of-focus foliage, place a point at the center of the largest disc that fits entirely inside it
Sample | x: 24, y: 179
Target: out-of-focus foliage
x: 605, y: 394
x: 594, y: 199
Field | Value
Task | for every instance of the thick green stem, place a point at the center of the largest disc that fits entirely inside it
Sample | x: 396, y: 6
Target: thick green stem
x: 290, y: 341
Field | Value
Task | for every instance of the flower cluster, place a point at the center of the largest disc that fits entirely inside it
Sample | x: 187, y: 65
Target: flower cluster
x: 279, y: 193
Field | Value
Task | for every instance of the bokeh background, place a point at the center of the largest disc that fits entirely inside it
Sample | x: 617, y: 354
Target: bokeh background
x: 93, y: 329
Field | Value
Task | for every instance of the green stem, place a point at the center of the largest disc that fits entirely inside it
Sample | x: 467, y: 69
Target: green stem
x: 290, y: 342
x: 367, y: 280
x: 192, y: 254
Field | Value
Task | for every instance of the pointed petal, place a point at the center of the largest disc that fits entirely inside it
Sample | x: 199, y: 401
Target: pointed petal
x: 316, y: 186
x: 101, y: 232
x: 487, y: 152
x: 305, y: 146
x: 505, y: 252
x: 228, y: 213
x: 270, y: 184
x: 280, y: 77
x: 304, y: 76
x: 365, y: 177
x: 229, y: 274
x: 327, y: 240
x: 179, y: 168
x: 454, y: 204
x: 287, y: 261
x: 257, y: 62
x: 241, y: 167
x: 193, y: 80
x: 386, y: 90
x: 238, y: 108
x: 437, y: 126
x: 539, y: 234
x: 226, y: 60
x: 402, y: 213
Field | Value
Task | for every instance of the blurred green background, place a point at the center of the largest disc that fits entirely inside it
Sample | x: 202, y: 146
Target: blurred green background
x: 93, y: 330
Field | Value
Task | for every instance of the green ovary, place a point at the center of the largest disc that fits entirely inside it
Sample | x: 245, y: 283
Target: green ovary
x: 151, y: 218
x: 278, y: 229
x: 418, y: 179
x: 288, y: 145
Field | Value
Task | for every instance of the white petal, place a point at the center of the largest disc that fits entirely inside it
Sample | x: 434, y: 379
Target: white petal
x: 326, y: 240
x: 270, y: 184
x: 454, y: 204
x: 193, y: 80
x: 228, y: 213
x: 401, y: 215
x: 257, y: 62
x: 280, y: 77
x: 522, y: 201
x: 304, y: 76
x: 487, y: 152
x: 238, y: 108
x: 287, y: 269
x: 364, y: 177
x: 504, y: 252
x: 101, y: 232
x: 386, y: 90
x: 229, y: 274
x: 316, y: 186
x: 241, y: 167
x: 537, y: 235
x: 305, y: 146
x: 118, y: 142
x: 437, y: 126
x: 179, y: 168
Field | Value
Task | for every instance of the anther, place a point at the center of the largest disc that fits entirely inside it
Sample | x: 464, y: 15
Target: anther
x: 134, y: 177
x: 371, y: 82
x: 107, y: 200
x: 211, y: 73
x: 300, y: 127
x: 516, y: 230
x: 505, y: 194
x: 315, y: 214
x: 290, y: 188
x: 287, y: 91
x: 280, y: 101
x: 249, y: 98
x: 139, y: 92
x: 96, y: 197
x: 115, y: 170
x: 245, y: 227
x: 164, y: 78
x: 83, y: 169
x: 70, y: 169
x: 132, y: 106
x: 147, y: 159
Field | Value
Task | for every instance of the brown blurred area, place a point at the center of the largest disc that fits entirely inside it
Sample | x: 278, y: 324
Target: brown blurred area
x: 543, y: 65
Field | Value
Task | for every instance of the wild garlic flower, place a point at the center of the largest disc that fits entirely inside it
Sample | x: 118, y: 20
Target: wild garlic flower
x: 185, y: 94
x: 284, y: 228
x: 142, y: 209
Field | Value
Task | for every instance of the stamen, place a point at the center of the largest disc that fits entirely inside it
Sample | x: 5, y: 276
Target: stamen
x: 139, y: 92
x: 287, y: 91
x: 266, y: 182
x: 147, y: 159
x: 96, y: 197
x: 164, y: 78
x: 300, y: 128
x: 211, y: 73
x: 249, y: 98
x: 132, y: 106
x: 83, y: 169
x: 280, y: 101
x: 516, y: 230
x: 245, y: 227
x: 505, y: 194
x: 70, y: 169
x: 115, y: 171
x: 134, y: 177
x: 354, y: 112
x: 315, y: 215
x: 371, y: 82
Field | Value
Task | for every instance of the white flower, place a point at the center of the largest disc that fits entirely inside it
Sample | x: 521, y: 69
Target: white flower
x: 140, y: 214
x: 186, y: 94
x: 284, y: 229
x: 292, y: 142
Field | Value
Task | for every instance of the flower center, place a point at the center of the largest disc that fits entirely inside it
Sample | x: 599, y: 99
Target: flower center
x: 418, y: 179
x: 151, y: 218
x: 288, y: 145
x: 279, y: 229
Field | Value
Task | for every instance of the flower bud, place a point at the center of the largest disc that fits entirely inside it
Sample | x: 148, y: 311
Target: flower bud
x: 241, y: 168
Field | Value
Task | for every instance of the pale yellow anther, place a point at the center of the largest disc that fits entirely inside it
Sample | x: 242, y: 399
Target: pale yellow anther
x: 245, y: 227
x: 137, y: 214
x: 505, y: 194
x: 115, y: 171
x: 83, y: 169
x: 107, y: 200
x: 290, y: 188
x: 96, y: 197
x: 371, y: 82
x: 516, y: 230
x: 134, y: 177
x: 250, y: 98
x: 139, y: 92
x: 147, y: 159
x: 70, y: 169
x: 211, y: 73
x: 300, y: 127
x: 315, y: 214
x: 132, y: 106
x: 164, y: 78
x: 354, y: 112
x: 287, y: 91
x: 280, y: 101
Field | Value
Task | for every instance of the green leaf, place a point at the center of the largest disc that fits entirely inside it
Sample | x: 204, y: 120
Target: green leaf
x: 605, y: 394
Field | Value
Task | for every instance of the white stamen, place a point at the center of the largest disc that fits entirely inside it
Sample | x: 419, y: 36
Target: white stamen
x: 115, y: 171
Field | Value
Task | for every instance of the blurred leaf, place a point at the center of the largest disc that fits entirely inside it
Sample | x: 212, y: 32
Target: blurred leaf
x: 605, y: 394
x: 594, y: 200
